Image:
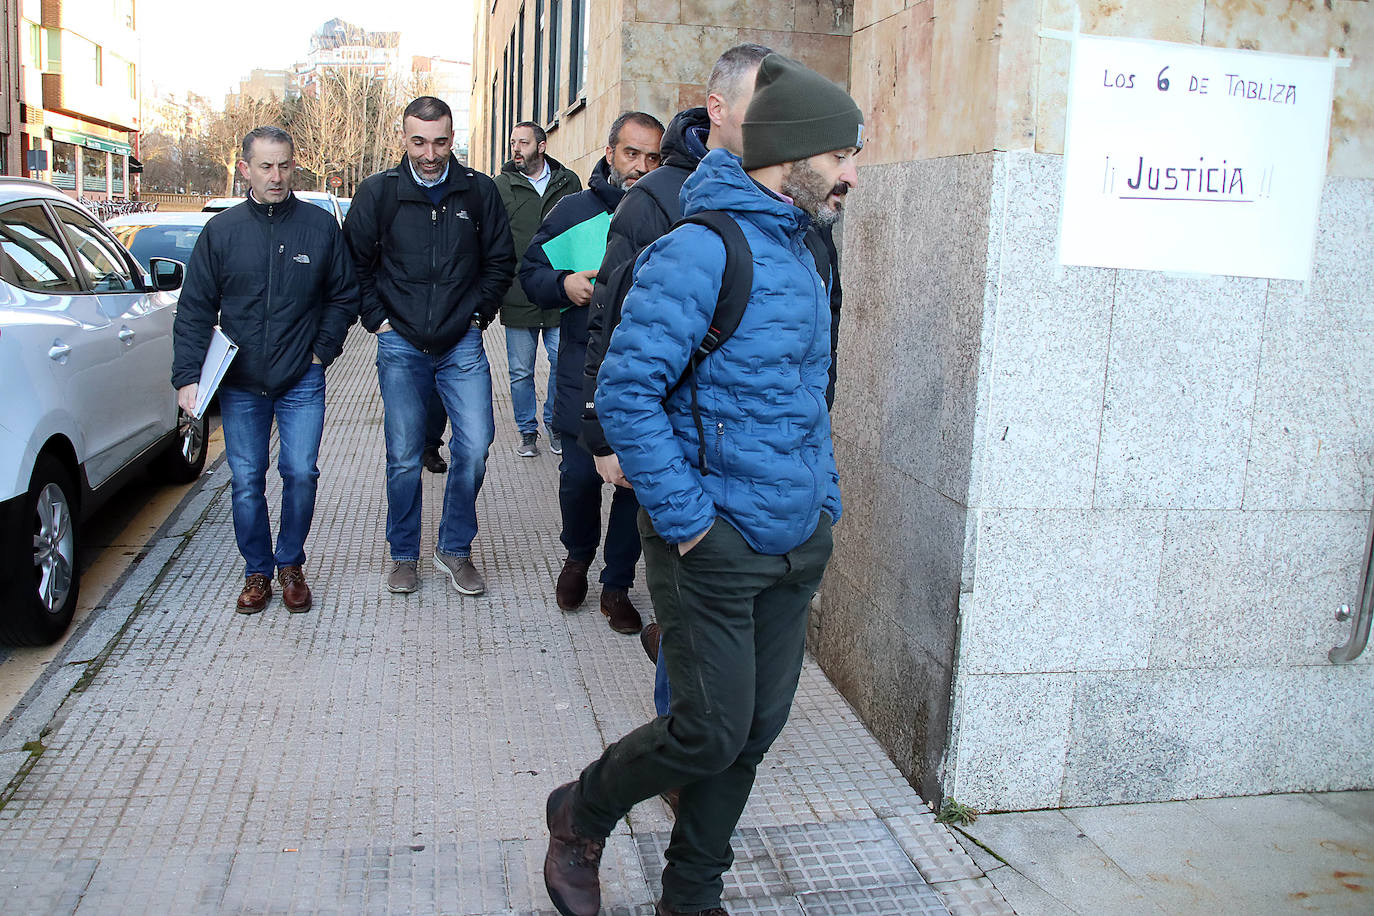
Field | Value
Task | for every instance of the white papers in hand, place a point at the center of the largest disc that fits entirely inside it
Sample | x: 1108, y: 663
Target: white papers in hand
x: 217, y: 360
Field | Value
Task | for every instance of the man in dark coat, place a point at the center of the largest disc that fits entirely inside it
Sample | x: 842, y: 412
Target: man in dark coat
x: 632, y: 151
x: 275, y: 275
x: 433, y: 253
x: 531, y: 183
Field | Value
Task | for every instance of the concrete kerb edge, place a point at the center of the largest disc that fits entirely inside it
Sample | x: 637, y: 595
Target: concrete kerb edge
x: 32, y: 747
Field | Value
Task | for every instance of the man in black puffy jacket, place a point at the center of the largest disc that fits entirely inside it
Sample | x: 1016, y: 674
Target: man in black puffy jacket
x: 432, y: 247
x: 632, y: 152
x: 275, y: 274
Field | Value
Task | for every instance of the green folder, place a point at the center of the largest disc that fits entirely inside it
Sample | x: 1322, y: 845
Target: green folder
x: 581, y: 247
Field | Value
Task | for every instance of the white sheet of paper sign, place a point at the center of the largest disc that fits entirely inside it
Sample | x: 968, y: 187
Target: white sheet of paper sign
x: 1196, y: 160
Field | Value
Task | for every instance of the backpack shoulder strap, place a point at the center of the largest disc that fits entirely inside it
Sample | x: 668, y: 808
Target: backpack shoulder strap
x: 387, y: 205
x: 736, y: 284
x: 821, y: 255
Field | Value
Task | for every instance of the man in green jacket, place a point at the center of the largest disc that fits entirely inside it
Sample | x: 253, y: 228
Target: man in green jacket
x: 530, y: 184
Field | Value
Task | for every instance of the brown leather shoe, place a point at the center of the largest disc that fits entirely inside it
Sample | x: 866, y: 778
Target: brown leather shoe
x: 664, y: 909
x: 572, y: 862
x: 257, y: 591
x: 616, y: 605
x: 572, y: 584
x: 295, y: 594
x: 651, y: 637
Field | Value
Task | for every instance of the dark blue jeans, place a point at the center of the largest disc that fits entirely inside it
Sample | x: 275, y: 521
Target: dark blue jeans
x: 247, y: 418
x: 406, y: 376
x: 579, y: 498
x: 734, y: 633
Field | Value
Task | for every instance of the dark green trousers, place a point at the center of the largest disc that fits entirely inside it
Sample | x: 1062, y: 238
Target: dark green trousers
x: 734, y: 631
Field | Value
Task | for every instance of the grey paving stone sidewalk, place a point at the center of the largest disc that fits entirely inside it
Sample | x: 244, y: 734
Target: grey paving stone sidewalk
x: 391, y: 754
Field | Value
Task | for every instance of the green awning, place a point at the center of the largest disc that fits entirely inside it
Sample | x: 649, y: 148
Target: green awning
x: 90, y: 141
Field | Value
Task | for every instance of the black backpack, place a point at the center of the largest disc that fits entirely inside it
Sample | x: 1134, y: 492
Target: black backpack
x: 737, y: 282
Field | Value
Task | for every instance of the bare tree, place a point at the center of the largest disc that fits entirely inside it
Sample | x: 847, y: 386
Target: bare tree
x: 224, y: 134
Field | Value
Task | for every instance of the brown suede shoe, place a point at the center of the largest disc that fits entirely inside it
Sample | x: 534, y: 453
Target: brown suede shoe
x: 572, y: 584
x: 295, y: 594
x: 257, y: 591
x: 616, y: 605
x: 571, y: 864
x: 664, y: 909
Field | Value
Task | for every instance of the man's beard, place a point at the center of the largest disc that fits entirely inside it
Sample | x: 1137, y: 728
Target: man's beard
x: 529, y: 168
x: 810, y: 191
x: 621, y: 180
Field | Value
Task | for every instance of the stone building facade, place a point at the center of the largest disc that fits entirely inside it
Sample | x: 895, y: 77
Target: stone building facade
x: 1098, y: 521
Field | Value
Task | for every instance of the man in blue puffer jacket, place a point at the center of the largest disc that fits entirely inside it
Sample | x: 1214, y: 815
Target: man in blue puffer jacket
x: 736, y: 528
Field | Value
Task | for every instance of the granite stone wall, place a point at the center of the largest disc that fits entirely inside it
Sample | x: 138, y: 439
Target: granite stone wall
x: 1149, y: 493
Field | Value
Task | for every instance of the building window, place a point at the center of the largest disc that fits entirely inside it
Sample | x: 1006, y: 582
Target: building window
x: 116, y: 173
x: 520, y: 69
x: 35, y: 46
x: 577, y: 51
x: 93, y: 171
x: 133, y: 81
x: 538, y: 57
x: 555, y: 31
x: 512, y: 97
x: 496, y: 159
x: 54, y: 43
x: 64, y: 166
x: 99, y: 65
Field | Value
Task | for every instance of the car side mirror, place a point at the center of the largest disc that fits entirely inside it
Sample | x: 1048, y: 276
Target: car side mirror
x: 167, y: 274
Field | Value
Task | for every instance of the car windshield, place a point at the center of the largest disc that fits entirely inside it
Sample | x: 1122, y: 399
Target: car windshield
x: 165, y: 241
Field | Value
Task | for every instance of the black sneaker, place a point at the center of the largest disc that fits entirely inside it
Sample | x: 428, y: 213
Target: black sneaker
x: 555, y: 442
x: 433, y: 461
x: 527, y: 447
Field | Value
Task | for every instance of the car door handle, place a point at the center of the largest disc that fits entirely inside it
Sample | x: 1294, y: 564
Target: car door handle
x: 126, y: 334
x: 59, y: 351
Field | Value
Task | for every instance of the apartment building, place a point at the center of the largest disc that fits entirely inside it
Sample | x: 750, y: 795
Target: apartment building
x: 80, y: 93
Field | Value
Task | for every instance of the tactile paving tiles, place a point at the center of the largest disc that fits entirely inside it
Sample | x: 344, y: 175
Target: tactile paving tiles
x: 390, y: 753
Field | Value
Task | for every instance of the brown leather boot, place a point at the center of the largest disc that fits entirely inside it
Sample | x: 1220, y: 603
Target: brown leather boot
x: 257, y: 591
x: 573, y: 860
x: 572, y: 584
x: 616, y: 605
x: 295, y: 594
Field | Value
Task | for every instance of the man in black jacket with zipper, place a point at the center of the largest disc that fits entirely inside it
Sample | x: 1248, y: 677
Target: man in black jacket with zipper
x: 275, y: 274
x: 632, y: 152
x: 432, y: 248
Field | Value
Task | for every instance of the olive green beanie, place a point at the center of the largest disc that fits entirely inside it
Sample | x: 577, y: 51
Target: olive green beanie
x: 796, y: 113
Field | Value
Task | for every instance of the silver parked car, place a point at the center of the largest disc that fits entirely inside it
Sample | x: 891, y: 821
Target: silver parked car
x: 321, y: 199
x: 85, y: 363
x: 164, y: 234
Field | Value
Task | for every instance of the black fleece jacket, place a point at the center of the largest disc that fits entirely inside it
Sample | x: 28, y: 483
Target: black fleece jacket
x: 278, y: 279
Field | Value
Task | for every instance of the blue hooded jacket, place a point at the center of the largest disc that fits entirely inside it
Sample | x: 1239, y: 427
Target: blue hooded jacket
x: 761, y: 395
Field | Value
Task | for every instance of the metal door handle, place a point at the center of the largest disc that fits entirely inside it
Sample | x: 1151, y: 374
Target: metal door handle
x: 126, y: 334
x: 59, y: 350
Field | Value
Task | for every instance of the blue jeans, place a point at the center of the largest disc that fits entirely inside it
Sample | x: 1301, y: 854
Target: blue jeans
x: 522, y: 345
x: 247, y: 419
x: 406, y: 377
x: 435, y: 421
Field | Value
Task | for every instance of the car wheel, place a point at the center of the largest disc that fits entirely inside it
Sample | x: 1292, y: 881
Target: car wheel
x: 185, y: 457
x: 47, y: 577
